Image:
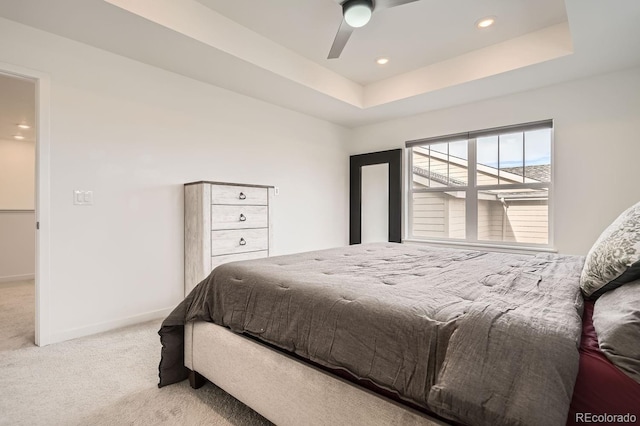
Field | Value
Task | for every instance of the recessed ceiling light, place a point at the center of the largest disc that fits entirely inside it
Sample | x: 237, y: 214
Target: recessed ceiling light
x: 486, y: 22
x: 382, y: 61
x: 24, y: 126
x: 19, y: 137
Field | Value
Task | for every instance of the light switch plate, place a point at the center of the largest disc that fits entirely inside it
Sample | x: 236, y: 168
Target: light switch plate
x: 82, y: 198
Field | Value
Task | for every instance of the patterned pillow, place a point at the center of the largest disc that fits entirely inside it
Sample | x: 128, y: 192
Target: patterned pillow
x: 614, y: 259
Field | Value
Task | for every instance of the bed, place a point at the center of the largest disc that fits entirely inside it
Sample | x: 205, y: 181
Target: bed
x: 396, y: 334
x: 386, y: 334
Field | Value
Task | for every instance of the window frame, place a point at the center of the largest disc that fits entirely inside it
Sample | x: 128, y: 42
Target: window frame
x: 472, y: 190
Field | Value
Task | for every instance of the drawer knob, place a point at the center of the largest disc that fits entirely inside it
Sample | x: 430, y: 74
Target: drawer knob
x: 242, y: 196
x: 242, y: 217
x: 243, y: 242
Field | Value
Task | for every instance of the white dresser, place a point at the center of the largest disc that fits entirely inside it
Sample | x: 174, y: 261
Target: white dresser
x: 223, y: 222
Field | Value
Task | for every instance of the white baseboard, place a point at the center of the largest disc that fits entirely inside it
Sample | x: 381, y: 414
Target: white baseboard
x: 74, y: 333
x: 11, y: 278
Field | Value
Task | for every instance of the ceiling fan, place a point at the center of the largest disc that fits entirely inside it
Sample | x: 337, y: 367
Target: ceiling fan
x: 356, y: 14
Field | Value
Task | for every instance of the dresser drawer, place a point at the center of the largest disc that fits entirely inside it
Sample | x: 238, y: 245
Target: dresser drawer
x: 230, y: 194
x: 239, y: 241
x: 219, y: 260
x: 238, y: 217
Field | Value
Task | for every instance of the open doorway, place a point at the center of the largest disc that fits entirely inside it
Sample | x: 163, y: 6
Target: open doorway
x: 18, y: 130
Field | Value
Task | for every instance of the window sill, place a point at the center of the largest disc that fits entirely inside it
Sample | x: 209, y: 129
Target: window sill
x: 482, y: 246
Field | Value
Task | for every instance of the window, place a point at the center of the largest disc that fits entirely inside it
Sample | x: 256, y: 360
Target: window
x: 489, y: 186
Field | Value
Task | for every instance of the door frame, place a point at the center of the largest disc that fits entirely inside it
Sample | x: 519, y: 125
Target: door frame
x: 393, y: 158
x: 42, y: 197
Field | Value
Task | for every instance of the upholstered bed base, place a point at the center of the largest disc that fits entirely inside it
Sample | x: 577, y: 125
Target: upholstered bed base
x: 283, y: 389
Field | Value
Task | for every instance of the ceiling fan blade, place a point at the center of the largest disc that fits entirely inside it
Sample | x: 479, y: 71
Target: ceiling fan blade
x: 344, y: 32
x: 386, y: 4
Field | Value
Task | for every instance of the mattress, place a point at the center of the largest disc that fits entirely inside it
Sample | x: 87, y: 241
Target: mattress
x: 478, y: 338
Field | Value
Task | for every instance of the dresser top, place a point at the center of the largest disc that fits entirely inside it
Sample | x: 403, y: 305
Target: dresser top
x: 228, y: 183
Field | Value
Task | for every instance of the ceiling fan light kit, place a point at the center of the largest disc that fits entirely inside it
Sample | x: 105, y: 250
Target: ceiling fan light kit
x: 357, y: 13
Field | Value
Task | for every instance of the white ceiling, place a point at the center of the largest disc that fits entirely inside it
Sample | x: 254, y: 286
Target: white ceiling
x: 17, y: 106
x: 276, y: 50
x: 412, y: 36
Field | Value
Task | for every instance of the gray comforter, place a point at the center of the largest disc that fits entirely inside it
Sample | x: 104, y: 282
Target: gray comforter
x: 479, y: 338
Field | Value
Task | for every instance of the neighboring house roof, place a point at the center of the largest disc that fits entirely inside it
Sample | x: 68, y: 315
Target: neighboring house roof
x: 540, y: 173
x: 440, y: 178
x: 532, y: 174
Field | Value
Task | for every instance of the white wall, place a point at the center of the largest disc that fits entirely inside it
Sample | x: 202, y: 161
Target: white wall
x: 133, y: 134
x: 17, y: 245
x: 597, y: 145
x: 17, y: 175
x: 17, y: 228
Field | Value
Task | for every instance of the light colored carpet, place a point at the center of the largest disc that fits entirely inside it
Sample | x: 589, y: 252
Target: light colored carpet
x: 17, y: 315
x: 106, y: 379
